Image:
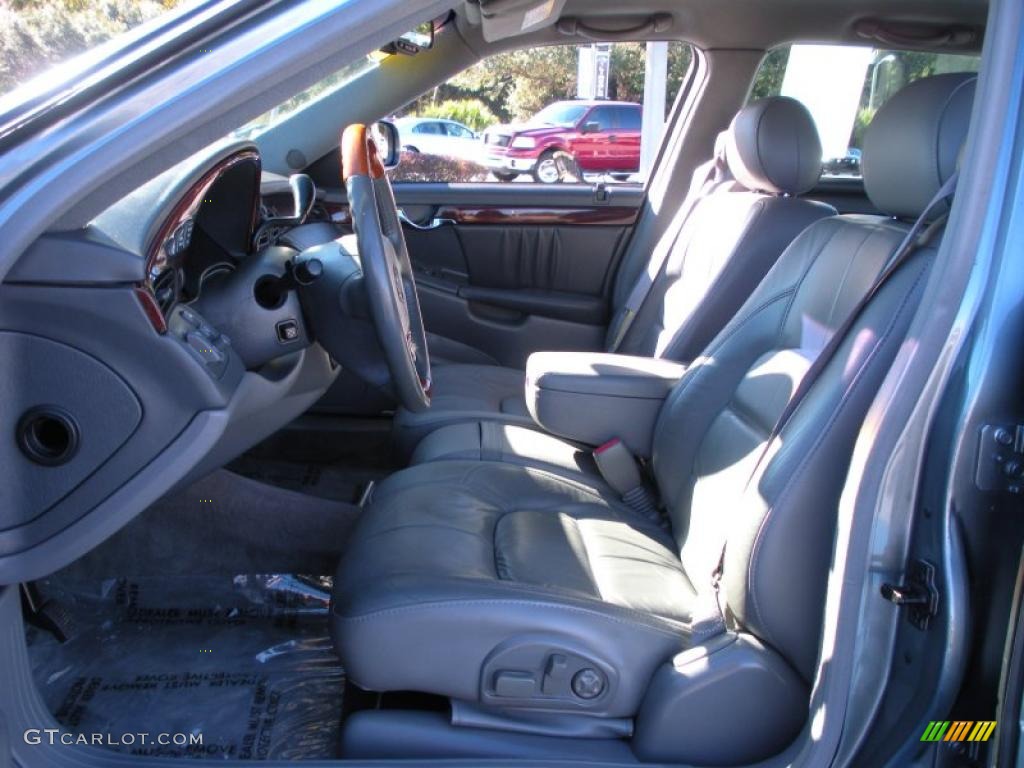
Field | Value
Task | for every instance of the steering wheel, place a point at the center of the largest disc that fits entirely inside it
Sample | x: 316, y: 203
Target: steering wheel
x: 387, y: 270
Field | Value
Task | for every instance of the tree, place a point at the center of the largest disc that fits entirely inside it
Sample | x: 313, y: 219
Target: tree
x: 517, y: 84
x: 38, y: 34
x: 470, y: 112
x: 768, y: 81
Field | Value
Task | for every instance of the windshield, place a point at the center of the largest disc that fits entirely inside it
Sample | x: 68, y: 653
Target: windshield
x: 563, y: 114
x: 301, y: 100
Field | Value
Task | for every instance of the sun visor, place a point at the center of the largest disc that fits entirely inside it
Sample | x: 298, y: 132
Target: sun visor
x: 507, y: 18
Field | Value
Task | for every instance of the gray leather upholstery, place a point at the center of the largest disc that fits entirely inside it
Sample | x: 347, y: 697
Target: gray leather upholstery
x: 773, y: 146
x: 913, y: 145
x: 725, y: 246
x: 475, y: 392
x: 455, y: 558
x: 595, y: 397
x: 510, y: 443
x: 456, y: 562
x: 445, y: 351
x: 729, y: 243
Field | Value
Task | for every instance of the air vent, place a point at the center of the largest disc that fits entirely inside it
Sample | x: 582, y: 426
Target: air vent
x: 165, y: 290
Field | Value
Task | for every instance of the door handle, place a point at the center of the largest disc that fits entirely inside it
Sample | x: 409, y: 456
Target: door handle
x: 434, y: 223
x: 612, y: 138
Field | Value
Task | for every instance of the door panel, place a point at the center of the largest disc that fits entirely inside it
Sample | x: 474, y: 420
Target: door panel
x: 512, y: 269
x: 506, y: 336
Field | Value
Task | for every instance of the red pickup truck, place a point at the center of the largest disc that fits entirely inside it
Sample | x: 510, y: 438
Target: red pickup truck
x: 601, y: 137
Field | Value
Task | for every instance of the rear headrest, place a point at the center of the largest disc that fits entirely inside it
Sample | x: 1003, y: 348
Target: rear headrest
x: 772, y: 146
x: 913, y: 145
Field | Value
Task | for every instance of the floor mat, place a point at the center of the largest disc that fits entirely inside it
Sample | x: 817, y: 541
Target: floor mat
x: 221, y: 525
x: 246, y: 662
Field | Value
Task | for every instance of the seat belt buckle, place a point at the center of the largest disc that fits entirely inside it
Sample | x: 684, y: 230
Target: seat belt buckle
x: 618, y: 466
x: 621, y: 471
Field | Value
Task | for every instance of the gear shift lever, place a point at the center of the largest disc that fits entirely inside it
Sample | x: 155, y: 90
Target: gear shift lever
x: 303, y: 196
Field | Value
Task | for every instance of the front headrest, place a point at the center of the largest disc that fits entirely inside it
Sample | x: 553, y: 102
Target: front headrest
x: 913, y: 145
x: 772, y: 146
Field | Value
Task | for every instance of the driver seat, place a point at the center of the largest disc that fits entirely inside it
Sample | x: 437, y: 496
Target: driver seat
x: 542, y: 604
x: 721, y: 243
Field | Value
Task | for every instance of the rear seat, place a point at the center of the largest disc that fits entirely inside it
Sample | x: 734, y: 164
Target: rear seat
x: 741, y: 213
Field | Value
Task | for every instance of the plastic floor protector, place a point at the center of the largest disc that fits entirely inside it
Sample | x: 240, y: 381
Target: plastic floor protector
x: 246, y: 662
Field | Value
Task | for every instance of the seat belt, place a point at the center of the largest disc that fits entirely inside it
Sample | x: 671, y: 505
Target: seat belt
x: 919, y: 236
x: 709, y: 620
x: 620, y: 469
x: 705, y: 178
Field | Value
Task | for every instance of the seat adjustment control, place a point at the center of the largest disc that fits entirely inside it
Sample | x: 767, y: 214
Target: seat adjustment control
x: 540, y: 674
x: 555, y: 674
x: 514, y: 685
x: 588, y: 683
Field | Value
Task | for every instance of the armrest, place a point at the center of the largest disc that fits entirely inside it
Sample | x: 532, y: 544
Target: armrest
x: 594, y: 397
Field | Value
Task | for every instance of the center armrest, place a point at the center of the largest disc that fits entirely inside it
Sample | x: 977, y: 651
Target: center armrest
x: 592, y: 397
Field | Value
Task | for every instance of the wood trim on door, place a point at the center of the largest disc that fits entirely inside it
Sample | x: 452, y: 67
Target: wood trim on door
x: 602, y: 216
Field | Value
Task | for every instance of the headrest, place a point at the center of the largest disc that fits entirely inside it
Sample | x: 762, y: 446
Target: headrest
x: 772, y: 146
x: 913, y: 145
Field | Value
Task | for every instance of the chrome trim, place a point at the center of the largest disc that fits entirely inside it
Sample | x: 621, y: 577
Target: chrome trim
x: 434, y: 223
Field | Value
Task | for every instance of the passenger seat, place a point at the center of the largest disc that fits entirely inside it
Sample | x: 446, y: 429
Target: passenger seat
x: 728, y: 234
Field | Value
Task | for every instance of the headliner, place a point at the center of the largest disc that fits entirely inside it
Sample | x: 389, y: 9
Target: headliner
x: 751, y: 24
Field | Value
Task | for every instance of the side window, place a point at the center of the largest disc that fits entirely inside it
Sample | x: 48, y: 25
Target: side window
x: 602, y: 117
x: 844, y: 100
x: 433, y: 129
x: 458, y: 131
x: 516, y: 114
x: 629, y: 118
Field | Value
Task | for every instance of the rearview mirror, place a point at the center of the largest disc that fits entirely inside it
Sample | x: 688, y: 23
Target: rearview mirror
x: 591, y: 127
x: 419, y: 38
x: 385, y: 135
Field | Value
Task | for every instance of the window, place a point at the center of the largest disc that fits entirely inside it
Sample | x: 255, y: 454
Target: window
x: 300, y: 100
x: 519, y: 116
x: 561, y: 114
x: 459, y: 131
x: 601, y: 117
x: 629, y: 119
x: 38, y: 35
x: 844, y: 86
x: 433, y: 129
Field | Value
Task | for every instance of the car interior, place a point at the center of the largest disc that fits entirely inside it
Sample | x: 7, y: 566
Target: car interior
x: 330, y: 466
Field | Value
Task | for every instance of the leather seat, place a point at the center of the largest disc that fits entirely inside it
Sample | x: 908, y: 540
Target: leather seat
x: 484, y: 580
x: 720, y: 249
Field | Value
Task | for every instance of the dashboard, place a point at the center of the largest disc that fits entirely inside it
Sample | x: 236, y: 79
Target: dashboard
x: 148, y: 353
x: 217, y: 271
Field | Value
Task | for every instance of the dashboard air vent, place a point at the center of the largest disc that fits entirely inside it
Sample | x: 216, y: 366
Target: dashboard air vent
x: 165, y: 290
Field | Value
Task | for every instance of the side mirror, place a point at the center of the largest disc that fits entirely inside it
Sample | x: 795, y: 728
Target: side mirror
x: 385, y: 135
x: 591, y: 127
